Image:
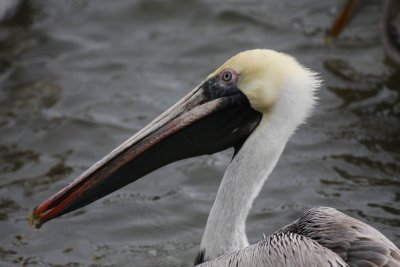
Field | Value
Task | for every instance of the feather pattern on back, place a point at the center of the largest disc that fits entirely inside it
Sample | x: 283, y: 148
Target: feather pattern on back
x: 320, y: 237
x: 354, y: 241
x: 279, y: 250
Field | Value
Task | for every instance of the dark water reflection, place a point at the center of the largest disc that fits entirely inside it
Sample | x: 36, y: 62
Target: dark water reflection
x: 78, y: 77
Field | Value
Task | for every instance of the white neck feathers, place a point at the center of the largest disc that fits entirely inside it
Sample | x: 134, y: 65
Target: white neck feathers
x: 225, y: 230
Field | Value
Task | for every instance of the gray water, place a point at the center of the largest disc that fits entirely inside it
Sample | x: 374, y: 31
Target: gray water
x: 79, y: 77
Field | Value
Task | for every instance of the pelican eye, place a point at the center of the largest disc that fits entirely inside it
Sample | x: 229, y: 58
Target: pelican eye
x: 228, y: 76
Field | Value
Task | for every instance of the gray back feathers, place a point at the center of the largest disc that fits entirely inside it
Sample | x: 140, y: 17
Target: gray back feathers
x: 354, y: 241
x: 280, y: 250
x: 320, y: 237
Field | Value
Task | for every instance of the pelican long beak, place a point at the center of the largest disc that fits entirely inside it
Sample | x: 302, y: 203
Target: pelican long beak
x: 209, y: 119
x: 343, y: 18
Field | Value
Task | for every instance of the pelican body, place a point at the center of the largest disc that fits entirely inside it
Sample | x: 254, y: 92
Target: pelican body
x: 253, y: 102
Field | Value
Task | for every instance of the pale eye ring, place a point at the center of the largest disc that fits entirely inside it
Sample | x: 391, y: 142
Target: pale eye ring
x: 228, y: 76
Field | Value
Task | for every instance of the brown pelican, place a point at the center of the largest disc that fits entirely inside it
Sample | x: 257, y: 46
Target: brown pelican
x: 390, y: 28
x: 253, y: 102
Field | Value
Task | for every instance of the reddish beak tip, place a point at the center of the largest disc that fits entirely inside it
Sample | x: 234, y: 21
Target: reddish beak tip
x: 34, y: 219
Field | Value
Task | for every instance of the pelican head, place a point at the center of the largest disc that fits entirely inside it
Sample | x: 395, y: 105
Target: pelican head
x: 263, y: 76
x: 221, y: 112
